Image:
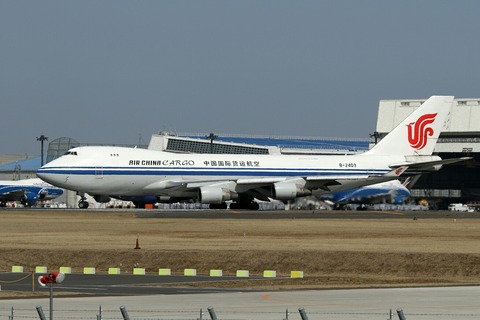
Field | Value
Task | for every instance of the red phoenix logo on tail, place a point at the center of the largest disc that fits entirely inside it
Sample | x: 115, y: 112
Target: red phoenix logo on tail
x: 418, y: 131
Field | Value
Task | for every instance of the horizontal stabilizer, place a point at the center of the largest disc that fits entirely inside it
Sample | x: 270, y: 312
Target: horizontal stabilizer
x: 337, y: 177
x: 429, y: 165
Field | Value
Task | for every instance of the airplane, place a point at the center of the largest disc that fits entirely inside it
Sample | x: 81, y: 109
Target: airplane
x: 27, y: 191
x: 393, y: 192
x: 213, y: 179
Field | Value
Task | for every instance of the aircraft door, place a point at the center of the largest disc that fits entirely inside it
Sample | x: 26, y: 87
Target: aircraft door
x: 98, y: 172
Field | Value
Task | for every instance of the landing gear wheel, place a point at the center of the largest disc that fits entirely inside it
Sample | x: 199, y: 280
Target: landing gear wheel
x: 82, y: 204
x: 253, y: 206
x: 218, y: 206
x: 244, y: 205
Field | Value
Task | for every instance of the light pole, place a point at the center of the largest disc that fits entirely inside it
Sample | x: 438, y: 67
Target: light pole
x: 212, y: 137
x: 42, y: 138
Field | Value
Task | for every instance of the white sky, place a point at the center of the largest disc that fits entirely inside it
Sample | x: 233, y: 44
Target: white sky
x: 114, y: 71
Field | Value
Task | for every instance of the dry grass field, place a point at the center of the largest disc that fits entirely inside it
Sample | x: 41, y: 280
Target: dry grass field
x: 330, y: 252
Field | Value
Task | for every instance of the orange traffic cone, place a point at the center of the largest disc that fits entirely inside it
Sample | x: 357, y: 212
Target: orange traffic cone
x: 137, y: 246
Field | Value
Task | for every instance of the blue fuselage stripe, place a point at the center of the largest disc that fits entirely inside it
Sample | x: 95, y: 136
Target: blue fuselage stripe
x: 124, y: 171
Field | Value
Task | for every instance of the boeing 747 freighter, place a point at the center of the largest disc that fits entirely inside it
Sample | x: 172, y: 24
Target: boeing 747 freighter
x: 213, y: 179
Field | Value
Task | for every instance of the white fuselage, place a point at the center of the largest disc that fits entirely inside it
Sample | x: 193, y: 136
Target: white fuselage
x: 128, y: 171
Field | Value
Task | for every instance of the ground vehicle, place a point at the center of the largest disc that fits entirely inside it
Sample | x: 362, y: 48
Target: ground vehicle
x: 460, y: 207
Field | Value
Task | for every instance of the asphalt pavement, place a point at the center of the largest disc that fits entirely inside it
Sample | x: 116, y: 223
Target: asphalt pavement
x: 117, y: 285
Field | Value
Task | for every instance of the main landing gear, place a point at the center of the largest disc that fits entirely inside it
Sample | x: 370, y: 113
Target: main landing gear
x: 218, y: 206
x: 83, y: 204
x: 244, y: 205
x: 235, y: 206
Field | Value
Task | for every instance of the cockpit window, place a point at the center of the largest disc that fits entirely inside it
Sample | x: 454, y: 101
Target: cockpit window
x: 73, y: 153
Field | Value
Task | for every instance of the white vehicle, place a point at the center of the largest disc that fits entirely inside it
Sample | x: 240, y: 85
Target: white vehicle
x: 460, y: 207
x: 105, y: 172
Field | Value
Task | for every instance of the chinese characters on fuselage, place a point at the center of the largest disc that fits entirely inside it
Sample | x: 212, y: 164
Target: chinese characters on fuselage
x: 191, y: 163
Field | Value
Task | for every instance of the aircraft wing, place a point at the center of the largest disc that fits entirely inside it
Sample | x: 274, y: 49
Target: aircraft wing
x: 184, y: 189
x: 265, y: 188
x: 12, y: 194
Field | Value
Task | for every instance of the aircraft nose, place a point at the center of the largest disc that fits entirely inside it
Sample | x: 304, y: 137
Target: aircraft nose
x: 43, y: 175
x: 51, y: 172
x: 47, y: 174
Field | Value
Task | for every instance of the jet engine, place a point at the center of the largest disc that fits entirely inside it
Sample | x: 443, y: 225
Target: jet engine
x: 288, y: 191
x: 42, y: 194
x: 212, y: 195
x: 29, y: 199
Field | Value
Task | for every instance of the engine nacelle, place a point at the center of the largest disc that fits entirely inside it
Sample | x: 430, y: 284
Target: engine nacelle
x: 288, y: 191
x: 29, y: 199
x: 42, y: 194
x: 210, y: 195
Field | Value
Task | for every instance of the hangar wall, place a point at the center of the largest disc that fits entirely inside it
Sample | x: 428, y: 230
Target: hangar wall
x: 464, y: 118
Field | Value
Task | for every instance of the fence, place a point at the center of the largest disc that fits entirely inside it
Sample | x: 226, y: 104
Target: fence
x: 211, y: 314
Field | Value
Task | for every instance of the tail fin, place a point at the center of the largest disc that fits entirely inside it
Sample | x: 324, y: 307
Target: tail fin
x: 418, y: 133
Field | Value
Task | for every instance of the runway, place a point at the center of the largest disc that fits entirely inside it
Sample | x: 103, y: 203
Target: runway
x: 358, y: 304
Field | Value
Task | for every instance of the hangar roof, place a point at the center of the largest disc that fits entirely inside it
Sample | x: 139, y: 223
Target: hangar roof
x: 357, y: 144
x: 31, y: 164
